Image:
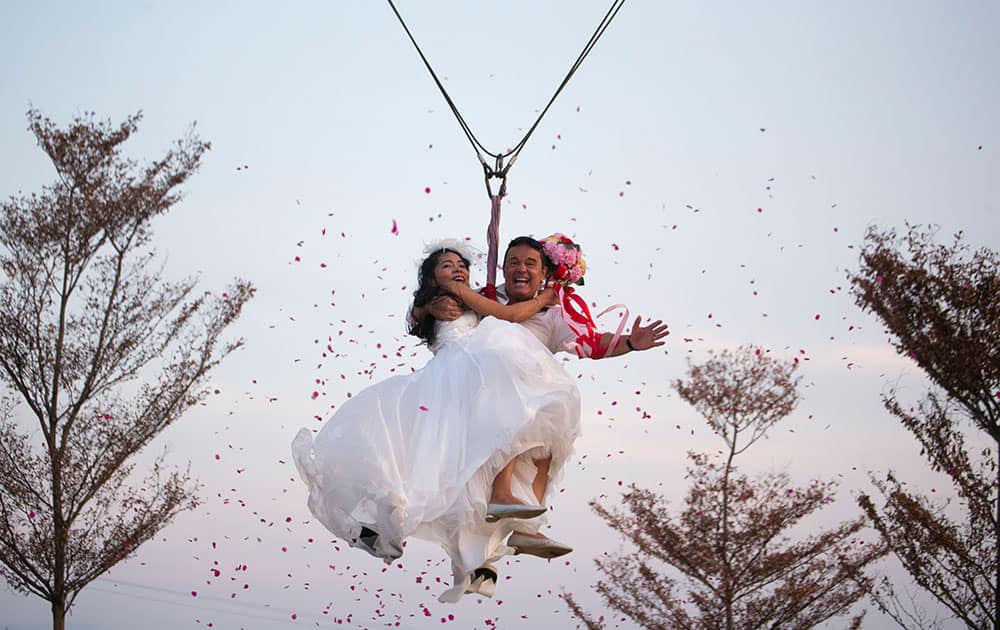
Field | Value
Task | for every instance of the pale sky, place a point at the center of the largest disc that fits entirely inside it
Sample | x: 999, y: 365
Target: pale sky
x: 719, y: 163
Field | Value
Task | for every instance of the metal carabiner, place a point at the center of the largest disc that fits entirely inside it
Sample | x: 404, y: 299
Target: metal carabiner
x: 498, y: 172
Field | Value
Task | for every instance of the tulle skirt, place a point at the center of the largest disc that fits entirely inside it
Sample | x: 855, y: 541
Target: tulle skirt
x: 416, y: 454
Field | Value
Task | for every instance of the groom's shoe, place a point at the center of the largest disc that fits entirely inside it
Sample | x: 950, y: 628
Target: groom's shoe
x: 483, y: 581
x: 497, y: 511
x: 541, y: 547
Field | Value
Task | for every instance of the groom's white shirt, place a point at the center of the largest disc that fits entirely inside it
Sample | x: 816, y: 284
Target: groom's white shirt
x: 547, y: 325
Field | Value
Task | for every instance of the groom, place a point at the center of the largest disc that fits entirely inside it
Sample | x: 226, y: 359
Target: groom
x: 524, y: 273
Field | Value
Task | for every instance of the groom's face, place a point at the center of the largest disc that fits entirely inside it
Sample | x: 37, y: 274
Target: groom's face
x: 523, y: 273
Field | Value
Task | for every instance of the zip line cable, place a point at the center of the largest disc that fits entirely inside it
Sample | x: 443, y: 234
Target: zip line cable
x: 477, y: 146
x: 605, y: 22
x: 498, y: 170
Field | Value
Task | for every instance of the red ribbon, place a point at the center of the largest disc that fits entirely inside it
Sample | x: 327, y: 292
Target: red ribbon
x: 577, y: 316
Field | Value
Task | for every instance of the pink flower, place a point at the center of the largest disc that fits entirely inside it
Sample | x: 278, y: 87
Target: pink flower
x: 566, y: 256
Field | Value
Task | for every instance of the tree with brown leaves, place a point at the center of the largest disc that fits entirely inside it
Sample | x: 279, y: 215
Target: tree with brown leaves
x: 98, y: 350
x: 733, y: 564
x: 941, y: 306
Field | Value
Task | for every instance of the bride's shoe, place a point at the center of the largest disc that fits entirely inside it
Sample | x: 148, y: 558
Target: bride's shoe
x: 484, y: 581
x: 541, y: 547
x: 497, y: 511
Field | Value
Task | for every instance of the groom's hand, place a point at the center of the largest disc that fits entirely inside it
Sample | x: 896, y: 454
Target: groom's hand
x: 445, y: 308
x: 651, y: 336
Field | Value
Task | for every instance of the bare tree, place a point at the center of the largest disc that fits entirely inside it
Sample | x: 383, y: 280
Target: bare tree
x: 941, y: 306
x: 100, y: 351
x: 733, y: 564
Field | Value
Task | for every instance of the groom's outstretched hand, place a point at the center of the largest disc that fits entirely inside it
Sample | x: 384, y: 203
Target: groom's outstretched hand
x: 445, y: 308
x: 646, y: 337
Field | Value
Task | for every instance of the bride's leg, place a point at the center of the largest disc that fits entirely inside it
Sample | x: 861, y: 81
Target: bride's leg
x: 538, y: 485
x: 538, y: 544
x: 541, y: 480
x: 502, y: 492
x: 503, y: 503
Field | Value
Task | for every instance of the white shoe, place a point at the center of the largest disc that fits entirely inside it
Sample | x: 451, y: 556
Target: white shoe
x: 484, y: 581
x: 497, y: 511
x: 541, y: 547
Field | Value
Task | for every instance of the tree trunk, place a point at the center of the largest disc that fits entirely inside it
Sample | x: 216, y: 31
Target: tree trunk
x: 996, y: 541
x: 727, y: 570
x: 60, y: 536
x: 59, y: 612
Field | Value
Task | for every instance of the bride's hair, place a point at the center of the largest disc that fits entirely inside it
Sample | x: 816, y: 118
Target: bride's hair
x: 426, y: 291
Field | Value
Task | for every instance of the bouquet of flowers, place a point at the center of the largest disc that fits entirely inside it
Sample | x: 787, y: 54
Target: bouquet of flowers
x: 568, y: 269
x: 567, y: 259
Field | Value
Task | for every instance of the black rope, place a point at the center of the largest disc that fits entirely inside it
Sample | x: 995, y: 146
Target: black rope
x: 461, y: 121
x: 499, y: 170
x: 610, y: 15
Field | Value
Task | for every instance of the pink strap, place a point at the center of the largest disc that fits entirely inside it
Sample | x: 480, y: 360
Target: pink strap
x: 492, y: 245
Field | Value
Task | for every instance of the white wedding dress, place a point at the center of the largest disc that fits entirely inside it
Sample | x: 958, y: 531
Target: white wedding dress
x: 416, y: 454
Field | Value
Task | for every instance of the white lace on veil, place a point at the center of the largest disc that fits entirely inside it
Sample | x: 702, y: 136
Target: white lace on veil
x: 464, y: 248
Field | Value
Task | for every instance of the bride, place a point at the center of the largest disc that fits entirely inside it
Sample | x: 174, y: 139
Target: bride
x: 424, y: 454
